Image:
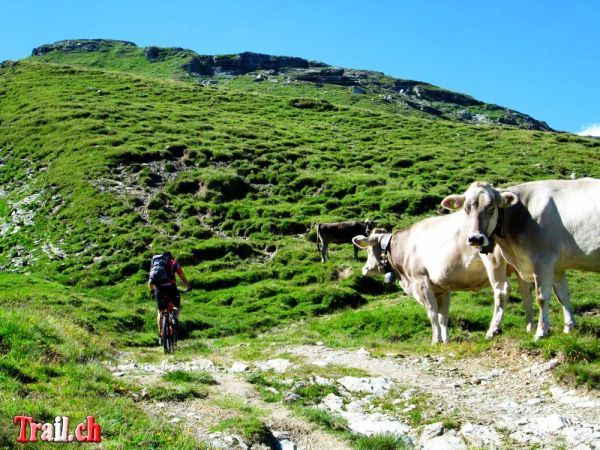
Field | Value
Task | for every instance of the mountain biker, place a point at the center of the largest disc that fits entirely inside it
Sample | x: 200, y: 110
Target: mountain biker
x: 166, y: 288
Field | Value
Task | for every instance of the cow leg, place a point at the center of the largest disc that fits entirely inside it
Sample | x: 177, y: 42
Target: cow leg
x: 496, y: 270
x: 443, y: 310
x: 525, y: 290
x: 543, y: 290
x: 324, y: 252
x: 561, y: 289
x: 427, y: 298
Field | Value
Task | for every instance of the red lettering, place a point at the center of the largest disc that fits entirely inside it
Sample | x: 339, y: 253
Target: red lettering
x: 93, y: 430
x: 78, y: 432
x: 24, y: 420
x: 35, y: 427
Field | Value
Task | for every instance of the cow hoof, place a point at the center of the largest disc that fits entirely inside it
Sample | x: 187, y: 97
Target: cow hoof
x: 568, y: 328
x: 491, y: 333
x: 530, y: 327
x: 538, y: 336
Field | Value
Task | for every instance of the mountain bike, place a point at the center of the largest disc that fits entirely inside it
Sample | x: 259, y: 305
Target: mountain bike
x: 168, y: 325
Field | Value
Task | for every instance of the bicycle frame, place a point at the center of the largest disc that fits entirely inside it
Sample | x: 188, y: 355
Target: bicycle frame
x: 168, y: 327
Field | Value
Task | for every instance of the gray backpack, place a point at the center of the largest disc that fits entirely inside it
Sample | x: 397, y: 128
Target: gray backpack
x: 159, y: 269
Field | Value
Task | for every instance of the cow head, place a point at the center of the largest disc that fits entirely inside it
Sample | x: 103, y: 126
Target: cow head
x: 375, y: 263
x: 481, y: 204
x: 369, y: 224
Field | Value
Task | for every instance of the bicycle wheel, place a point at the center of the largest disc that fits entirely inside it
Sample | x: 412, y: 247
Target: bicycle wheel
x: 174, y: 325
x: 167, y: 337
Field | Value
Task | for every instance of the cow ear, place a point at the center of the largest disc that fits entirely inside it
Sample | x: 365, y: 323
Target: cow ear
x: 360, y: 241
x: 508, y: 199
x: 453, y: 202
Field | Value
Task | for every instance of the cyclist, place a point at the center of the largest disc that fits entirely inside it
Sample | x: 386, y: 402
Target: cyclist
x: 165, y: 286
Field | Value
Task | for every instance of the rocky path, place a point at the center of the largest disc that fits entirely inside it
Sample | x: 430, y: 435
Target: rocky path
x: 288, y: 432
x: 500, y: 399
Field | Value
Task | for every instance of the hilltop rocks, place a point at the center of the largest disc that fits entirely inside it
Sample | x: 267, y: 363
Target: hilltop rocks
x: 329, y: 75
x: 79, y: 45
x: 440, y: 95
x: 244, y: 63
x: 154, y: 54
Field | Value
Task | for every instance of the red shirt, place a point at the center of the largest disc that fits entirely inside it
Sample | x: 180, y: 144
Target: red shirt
x: 174, y: 268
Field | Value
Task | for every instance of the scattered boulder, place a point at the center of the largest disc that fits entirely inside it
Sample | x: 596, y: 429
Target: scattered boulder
x: 448, y: 441
x: 332, y: 403
x: 239, y: 367
x: 481, y: 436
x: 368, y: 385
x: 463, y: 114
x: 278, y: 365
x: 431, y: 431
x: 376, y: 423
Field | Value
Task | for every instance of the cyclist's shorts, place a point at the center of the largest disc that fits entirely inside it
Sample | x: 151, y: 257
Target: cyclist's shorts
x: 164, y: 293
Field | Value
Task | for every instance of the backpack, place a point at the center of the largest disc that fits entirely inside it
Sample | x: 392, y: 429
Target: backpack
x: 159, y: 269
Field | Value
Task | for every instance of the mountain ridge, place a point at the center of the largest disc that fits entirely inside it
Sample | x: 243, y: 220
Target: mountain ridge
x: 403, y: 95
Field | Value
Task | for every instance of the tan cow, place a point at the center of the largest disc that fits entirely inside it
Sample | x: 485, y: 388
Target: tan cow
x: 431, y: 259
x: 542, y: 228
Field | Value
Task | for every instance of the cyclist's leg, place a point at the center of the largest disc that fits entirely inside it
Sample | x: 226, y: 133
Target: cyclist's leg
x: 161, y: 305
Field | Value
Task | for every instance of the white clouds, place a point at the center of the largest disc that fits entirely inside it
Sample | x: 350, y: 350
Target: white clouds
x: 591, y: 130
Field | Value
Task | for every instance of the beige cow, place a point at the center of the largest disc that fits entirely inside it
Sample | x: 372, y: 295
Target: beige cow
x: 431, y: 259
x: 542, y: 228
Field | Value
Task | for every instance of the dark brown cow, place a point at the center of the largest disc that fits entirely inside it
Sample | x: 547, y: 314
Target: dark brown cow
x: 340, y: 233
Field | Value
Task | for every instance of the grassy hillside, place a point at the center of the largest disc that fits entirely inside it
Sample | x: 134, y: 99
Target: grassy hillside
x: 285, y: 76
x: 100, y: 169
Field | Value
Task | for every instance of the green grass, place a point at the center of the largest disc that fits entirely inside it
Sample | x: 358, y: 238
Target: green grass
x: 164, y: 393
x: 381, y: 442
x: 324, y: 418
x: 181, y: 376
x: 50, y: 367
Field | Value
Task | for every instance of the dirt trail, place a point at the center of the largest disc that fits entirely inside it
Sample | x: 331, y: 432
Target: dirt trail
x: 499, y: 399
x: 483, y: 388
x: 199, y: 415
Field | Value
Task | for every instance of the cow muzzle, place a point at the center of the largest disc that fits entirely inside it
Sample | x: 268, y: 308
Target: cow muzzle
x: 371, y: 271
x: 478, y: 240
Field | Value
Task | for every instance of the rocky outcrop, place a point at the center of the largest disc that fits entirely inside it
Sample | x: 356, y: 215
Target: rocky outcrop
x: 79, y: 45
x: 243, y: 63
x: 158, y: 54
x: 440, y: 95
x: 328, y: 75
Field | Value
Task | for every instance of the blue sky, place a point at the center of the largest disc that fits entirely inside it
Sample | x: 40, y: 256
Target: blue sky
x: 538, y: 57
